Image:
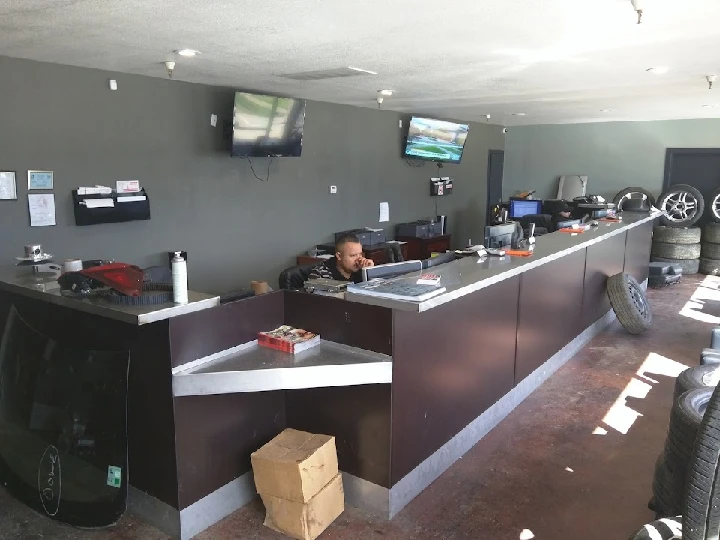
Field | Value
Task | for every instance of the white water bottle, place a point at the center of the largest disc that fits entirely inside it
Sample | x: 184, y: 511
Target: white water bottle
x: 179, y: 276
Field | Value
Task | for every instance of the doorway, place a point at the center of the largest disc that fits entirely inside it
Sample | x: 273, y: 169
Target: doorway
x: 496, y: 162
x: 697, y: 167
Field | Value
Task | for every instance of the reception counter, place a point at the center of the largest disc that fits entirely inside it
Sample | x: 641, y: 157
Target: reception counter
x: 405, y: 388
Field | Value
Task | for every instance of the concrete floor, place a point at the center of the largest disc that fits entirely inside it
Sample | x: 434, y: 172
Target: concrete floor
x: 573, y: 461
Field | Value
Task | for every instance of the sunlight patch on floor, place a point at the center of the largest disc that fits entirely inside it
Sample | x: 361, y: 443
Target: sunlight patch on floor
x: 708, y: 291
x: 526, y: 534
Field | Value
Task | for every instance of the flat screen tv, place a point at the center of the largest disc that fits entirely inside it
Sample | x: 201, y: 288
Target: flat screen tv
x: 266, y: 126
x: 435, y: 140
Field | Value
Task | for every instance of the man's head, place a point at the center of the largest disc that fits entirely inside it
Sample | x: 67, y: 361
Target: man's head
x: 566, y: 211
x: 348, y: 252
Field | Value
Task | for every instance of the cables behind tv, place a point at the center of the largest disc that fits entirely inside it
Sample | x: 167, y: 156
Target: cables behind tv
x: 415, y: 163
x: 267, y: 176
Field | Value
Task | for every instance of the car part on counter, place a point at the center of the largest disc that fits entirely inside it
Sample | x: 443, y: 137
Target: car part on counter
x: 689, y: 266
x: 676, y: 251
x: 715, y: 205
x: 629, y: 303
x: 122, y: 277
x: 706, y: 376
x: 701, y: 520
x: 636, y: 193
x: 661, y: 529
x: 681, y: 205
x: 677, y: 235
x: 152, y: 294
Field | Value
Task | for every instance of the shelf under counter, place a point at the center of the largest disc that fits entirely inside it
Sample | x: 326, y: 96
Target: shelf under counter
x: 252, y: 368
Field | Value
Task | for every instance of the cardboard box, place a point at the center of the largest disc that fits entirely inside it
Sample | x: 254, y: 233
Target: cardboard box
x: 295, y: 465
x: 306, y: 521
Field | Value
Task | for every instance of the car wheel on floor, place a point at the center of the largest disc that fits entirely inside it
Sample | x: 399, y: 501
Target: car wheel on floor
x: 677, y: 235
x: 689, y: 266
x: 669, y: 528
x: 701, y: 518
x: 715, y: 207
x: 629, y: 303
x: 706, y: 376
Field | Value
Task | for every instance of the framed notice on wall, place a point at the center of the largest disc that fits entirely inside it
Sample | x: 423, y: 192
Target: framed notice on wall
x: 8, y: 186
x: 40, y: 179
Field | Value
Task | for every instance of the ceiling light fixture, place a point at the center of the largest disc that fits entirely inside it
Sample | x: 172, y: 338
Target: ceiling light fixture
x: 607, y: 110
x: 518, y: 114
x: 638, y: 7
x: 710, y: 79
x: 363, y: 70
x: 658, y: 70
x: 187, y: 53
x: 385, y: 92
x: 710, y: 106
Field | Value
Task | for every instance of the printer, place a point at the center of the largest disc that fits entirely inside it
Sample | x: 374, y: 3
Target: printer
x: 419, y: 229
x: 368, y: 238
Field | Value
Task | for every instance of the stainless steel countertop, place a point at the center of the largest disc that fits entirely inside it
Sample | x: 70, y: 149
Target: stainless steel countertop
x: 21, y: 280
x: 470, y: 274
x: 252, y: 368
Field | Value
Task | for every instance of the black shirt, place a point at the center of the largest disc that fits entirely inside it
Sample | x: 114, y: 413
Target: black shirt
x: 329, y: 270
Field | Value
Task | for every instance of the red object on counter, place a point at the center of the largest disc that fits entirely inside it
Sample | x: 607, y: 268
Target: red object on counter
x: 125, y: 278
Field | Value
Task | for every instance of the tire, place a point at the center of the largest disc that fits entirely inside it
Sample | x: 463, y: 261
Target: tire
x: 681, y: 205
x: 701, y: 518
x: 633, y: 193
x: 661, y: 529
x: 709, y: 267
x: 715, y: 206
x: 689, y: 266
x: 677, y: 235
x: 706, y: 376
x: 712, y: 233
x: 629, y: 303
x: 711, y: 251
x: 677, y: 251
x: 666, y: 499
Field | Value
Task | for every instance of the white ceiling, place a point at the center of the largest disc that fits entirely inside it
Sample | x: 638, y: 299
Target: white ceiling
x: 558, y: 61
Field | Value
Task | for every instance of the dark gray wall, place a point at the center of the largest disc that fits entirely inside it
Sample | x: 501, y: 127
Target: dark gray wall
x: 234, y: 227
x: 614, y: 155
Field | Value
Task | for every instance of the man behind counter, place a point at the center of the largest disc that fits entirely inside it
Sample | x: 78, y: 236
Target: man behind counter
x: 346, y: 264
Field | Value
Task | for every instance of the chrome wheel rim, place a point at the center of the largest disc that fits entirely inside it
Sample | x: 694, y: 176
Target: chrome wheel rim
x: 680, y: 206
x: 715, y: 206
x: 638, y: 299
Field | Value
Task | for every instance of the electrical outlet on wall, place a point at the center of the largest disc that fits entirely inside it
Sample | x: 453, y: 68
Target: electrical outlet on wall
x: 333, y: 190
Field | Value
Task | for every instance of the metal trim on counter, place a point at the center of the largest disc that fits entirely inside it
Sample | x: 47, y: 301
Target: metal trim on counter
x: 260, y: 369
x: 470, y: 274
x: 21, y: 280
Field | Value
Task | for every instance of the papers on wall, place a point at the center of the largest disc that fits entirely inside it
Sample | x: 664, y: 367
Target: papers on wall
x: 42, y: 209
x: 40, y: 179
x: 384, y: 212
x: 8, y: 187
x: 132, y: 198
x: 98, y: 203
x: 128, y: 186
x: 96, y: 190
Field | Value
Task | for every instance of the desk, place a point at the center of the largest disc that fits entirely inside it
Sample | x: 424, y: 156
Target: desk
x: 377, y: 254
x: 422, y: 248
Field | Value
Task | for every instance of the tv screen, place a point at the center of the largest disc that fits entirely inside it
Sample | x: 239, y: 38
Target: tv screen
x: 267, y: 126
x: 435, y: 140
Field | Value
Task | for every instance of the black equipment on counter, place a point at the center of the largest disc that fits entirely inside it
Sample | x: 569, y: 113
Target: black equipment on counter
x: 419, y: 229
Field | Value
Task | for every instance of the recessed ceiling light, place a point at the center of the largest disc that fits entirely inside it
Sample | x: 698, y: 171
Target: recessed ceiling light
x: 363, y: 70
x: 518, y: 114
x: 385, y: 92
x: 710, y: 106
x: 187, y: 53
x: 658, y: 70
x: 607, y: 110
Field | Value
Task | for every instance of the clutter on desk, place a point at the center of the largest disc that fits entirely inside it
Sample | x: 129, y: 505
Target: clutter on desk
x: 288, y: 339
x: 326, y: 287
x: 100, y: 204
x: 404, y: 288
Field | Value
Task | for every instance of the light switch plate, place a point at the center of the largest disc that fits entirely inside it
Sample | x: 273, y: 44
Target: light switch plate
x: 333, y: 190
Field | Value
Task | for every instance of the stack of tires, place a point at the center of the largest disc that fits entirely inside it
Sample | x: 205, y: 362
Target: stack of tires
x: 710, y: 260
x: 679, y: 245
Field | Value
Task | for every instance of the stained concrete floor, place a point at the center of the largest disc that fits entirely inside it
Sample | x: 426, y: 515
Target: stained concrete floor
x: 573, y: 461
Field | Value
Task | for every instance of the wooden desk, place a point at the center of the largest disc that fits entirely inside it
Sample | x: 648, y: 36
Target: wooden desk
x: 377, y: 254
x: 422, y: 248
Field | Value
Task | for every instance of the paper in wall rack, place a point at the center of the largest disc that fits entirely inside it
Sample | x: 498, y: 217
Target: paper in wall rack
x: 441, y: 186
x: 113, y: 207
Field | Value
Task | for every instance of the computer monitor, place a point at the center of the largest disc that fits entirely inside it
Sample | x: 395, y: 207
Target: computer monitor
x: 567, y: 223
x: 391, y: 270
x: 522, y: 207
x: 500, y: 236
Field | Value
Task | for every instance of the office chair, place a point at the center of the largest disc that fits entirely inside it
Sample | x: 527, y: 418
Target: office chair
x: 295, y: 277
x: 543, y: 223
x: 440, y: 259
x: 393, y: 253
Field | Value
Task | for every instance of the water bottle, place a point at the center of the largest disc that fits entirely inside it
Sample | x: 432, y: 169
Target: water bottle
x: 179, y: 276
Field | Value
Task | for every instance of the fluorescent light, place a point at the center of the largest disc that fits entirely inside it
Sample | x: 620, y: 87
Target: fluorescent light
x: 710, y: 106
x: 607, y: 110
x: 518, y: 114
x: 363, y: 70
x: 658, y: 70
x: 187, y: 53
x: 385, y: 92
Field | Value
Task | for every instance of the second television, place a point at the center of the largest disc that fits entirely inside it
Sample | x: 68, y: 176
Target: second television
x: 435, y: 140
x: 265, y: 126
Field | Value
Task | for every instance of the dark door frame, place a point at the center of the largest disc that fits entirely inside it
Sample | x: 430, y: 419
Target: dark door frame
x: 488, y: 203
x: 670, y: 154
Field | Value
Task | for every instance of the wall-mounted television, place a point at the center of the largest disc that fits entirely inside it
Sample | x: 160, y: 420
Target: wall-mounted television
x: 267, y: 126
x: 435, y: 140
